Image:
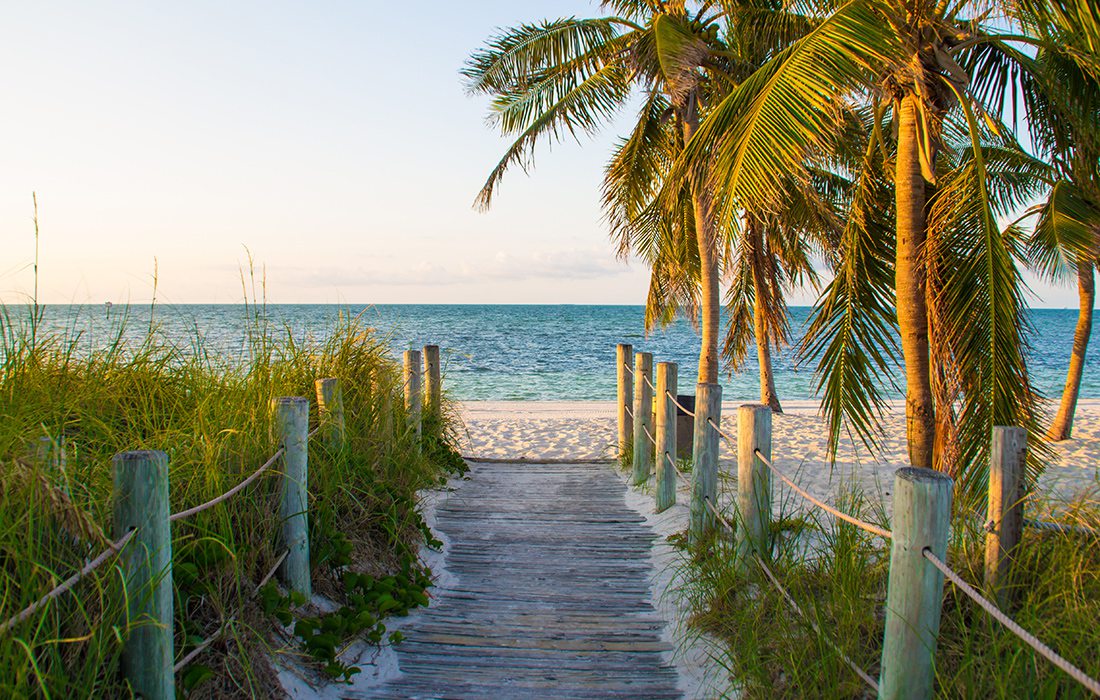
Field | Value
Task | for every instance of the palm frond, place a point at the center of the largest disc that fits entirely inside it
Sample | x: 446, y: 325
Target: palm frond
x: 1065, y: 233
x: 853, y: 327
x: 979, y: 301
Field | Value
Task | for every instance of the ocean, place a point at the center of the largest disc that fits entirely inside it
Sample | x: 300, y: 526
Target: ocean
x: 519, y: 352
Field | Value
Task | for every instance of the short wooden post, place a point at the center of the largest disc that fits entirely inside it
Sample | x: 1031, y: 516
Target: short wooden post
x: 381, y: 388
x: 141, y: 505
x: 330, y: 411
x: 1006, y: 509
x: 292, y: 426
x: 643, y: 417
x: 704, y: 477
x: 624, y: 352
x: 434, y: 389
x: 50, y: 454
x: 914, y: 594
x: 413, y: 396
x: 754, y: 483
x: 666, y: 435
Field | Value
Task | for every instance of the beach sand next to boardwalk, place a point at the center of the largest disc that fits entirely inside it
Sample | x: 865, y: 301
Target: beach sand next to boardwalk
x: 582, y: 431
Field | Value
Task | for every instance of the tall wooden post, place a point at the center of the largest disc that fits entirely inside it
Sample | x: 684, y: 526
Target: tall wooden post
x: 141, y: 505
x: 914, y: 594
x: 643, y: 417
x: 413, y: 395
x: 754, y: 483
x: 330, y: 411
x: 624, y: 352
x: 434, y: 392
x: 292, y: 425
x: 666, y: 435
x: 1006, y: 509
x: 704, y: 477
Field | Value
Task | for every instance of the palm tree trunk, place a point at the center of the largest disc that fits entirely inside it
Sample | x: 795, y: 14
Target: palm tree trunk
x: 910, y: 284
x: 768, y: 395
x: 1062, y: 428
x: 709, y: 303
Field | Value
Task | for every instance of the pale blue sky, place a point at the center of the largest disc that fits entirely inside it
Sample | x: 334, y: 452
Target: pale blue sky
x: 333, y: 140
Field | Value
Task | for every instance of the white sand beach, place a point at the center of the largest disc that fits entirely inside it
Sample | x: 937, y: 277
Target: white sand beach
x: 587, y: 431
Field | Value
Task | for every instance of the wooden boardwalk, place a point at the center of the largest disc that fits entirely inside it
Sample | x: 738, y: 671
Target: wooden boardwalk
x: 548, y: 594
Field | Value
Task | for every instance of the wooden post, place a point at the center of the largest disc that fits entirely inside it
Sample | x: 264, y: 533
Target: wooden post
x: 51, y: 455
x: 1006, y: 509
x: 704, y: 477
x: 413, y: 412
x: 914, y: 594
x: 433, y: 390
x: 292, y: 424
x: 380, y: 388
x: 754, y: 483
x: 623, y: 354
x: 643, y: 417
x: 666, y: 435
x: 330, y: 411
x: 141, y: 505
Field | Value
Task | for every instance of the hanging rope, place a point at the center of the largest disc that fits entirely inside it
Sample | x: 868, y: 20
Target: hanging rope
x: 678, y: 404
x: 102, y: 558
x: 1031, y: 640
x: 231, y: 492
x: 204, y: 644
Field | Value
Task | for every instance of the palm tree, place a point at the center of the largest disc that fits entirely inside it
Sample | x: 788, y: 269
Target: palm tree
x: 571, y: 75
x: 1064, y: 119
x: 955, y: 281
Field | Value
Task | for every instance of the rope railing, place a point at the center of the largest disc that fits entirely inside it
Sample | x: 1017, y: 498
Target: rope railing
x: 100, y: 559
x: 864, y: 676
x: 1031, y: 640
x: 115, y: 547
x: 861, y: 524
x: 927, y: 494
x: 231, y: 492
x: 1060, y: 527
x: 205, y: 644
x: 678, y: 404
x: 675, y: 468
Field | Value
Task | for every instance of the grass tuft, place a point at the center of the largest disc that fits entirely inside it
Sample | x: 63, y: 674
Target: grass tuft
x: 211, y: 414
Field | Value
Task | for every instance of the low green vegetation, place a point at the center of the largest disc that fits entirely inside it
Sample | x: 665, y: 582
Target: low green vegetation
x: 837, y: 574
x: 211, y: 414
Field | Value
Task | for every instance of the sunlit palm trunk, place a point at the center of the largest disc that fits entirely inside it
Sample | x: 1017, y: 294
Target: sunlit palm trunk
x: 1062, y: 428
x: 709, y: 304
x: 910, y: 283
x: 768, y: 394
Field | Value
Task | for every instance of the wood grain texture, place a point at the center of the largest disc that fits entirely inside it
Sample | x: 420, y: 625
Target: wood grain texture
x: 548, y: 593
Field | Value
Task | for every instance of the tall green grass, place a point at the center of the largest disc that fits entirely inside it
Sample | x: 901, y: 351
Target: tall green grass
x: 211, y: 414
x: 838, y: 575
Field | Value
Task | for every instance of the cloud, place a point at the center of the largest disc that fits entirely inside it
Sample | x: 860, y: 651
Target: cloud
x: 569, y: 264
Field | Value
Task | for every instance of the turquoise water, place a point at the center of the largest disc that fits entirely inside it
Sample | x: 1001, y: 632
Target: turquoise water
x: 504, y: 352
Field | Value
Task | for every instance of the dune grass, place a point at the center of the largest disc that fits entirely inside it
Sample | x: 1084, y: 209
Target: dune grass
x: 211, y: 414
x: 838, y: 575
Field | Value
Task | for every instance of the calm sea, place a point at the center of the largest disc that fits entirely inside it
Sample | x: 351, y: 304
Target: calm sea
x: 511, y: 352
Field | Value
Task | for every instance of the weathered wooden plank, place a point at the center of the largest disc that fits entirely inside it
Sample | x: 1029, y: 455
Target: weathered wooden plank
x: 548, y: 594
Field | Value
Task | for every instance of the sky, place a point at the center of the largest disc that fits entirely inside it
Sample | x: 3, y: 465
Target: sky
x: 332, y: 144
